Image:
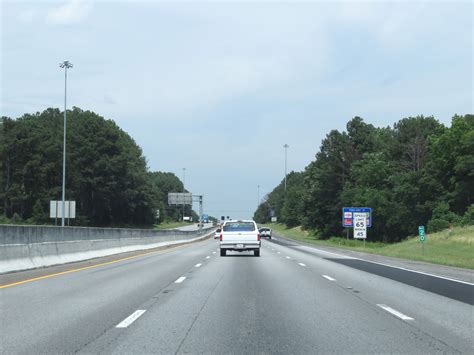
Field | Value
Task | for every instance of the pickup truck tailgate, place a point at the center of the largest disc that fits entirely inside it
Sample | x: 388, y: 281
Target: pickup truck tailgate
x: 239, y: 237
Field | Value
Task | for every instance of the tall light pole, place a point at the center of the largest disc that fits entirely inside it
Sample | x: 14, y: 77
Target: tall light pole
x: 286, y: 146
x: 184, y: 182
x: 258, y: 195
x: 66, y: 65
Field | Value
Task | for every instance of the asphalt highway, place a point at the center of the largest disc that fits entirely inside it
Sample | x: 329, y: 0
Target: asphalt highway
x: 188, y: 299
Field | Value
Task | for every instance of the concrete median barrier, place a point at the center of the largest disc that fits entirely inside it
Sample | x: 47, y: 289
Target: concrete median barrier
x: 29, y: 247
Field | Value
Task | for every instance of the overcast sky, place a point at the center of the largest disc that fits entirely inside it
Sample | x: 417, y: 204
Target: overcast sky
x: 220, y: 87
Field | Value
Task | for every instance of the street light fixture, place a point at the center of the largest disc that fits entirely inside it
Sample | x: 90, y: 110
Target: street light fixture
x: 66, y: 65
x: 286, y: 146
x: 184, y: 182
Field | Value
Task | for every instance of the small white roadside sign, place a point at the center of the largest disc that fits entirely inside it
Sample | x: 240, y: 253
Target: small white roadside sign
x: 56, y: 210
x: 360, y: 225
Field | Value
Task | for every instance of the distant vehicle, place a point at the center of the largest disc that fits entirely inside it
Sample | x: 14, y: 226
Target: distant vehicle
x: 217, y: 233
x: 240, y: 236
x: 265, y: 232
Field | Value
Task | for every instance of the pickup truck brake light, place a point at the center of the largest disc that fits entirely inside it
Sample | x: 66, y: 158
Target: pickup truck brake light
x: 220, y: 238
x: 258, y: 237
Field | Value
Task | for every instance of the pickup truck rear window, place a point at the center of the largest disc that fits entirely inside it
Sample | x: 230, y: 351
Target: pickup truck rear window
x: 239, y: 227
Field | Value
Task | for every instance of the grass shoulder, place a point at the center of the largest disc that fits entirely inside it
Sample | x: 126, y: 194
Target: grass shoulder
x: 451, y: 248
x: 170, y: 225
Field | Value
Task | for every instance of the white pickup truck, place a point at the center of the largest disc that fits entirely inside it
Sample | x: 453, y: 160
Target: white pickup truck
x: 240, y: 236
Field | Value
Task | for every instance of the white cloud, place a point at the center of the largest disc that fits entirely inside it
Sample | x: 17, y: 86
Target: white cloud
x: 27, y: 16
x: 226, y: 56
x: 73, y: 11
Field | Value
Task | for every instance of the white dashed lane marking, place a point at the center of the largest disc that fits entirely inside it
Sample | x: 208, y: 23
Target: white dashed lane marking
x: 301, y: 264
x: 208, y: 257
x: 130, y: 319
x: 328, y: 277
x: 288, y: 257
x: 395, y: 312
x: 181, y: 279
x: 197, y: 265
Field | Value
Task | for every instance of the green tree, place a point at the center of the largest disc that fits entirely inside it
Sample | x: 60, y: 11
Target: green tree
x: 164, y: 183
x: 107, y: 174
x: 451, y: 162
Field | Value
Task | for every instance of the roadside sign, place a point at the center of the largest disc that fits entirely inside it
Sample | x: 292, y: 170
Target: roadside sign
x: 349, y: 212
x: 56, y: 209
x: 272, y: 212
x: 360, y: 225
x: 180, y: 198
x: 274, y: 219
x: 421, y: 233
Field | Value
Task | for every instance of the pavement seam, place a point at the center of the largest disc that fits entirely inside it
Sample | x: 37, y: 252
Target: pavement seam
x: 198, y: 314
x: 285, y: 241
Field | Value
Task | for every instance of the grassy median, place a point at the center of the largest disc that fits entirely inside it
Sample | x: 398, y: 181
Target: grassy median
x: 455, y: 248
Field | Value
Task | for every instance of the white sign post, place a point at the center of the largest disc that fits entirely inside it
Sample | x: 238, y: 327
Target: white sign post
x: 360, y: 225
x: 56, y: 210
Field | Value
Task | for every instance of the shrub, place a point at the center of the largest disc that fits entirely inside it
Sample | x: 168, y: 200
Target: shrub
x: 436, y: 225
x: 39, y: 215
x: 15, y: 218
x: 442, y: 212
x: 468, y: 218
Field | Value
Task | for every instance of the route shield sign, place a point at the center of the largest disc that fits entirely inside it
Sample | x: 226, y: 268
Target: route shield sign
x: 421, y: 233
x: 348, y: 216
x: 360, y: 225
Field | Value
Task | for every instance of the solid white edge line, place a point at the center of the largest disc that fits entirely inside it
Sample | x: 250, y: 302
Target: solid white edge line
x: 418, y: 272
x: 130, y: 319
x: 388, y: 265
x: 395, y: 312
x: 301, y: 264
x: 328, y: 277
x: 324, y: 251
x: 181, y: 279
x: 197, y: 265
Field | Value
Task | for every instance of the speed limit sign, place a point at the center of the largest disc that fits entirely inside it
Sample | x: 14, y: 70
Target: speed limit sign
x: 360, y: 225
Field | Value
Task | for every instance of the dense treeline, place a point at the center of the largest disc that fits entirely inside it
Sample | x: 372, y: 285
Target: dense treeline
x: 417, y: 173
x: 107, y: 174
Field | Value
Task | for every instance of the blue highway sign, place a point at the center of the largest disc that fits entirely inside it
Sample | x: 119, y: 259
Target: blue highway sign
x: 348, y: 215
